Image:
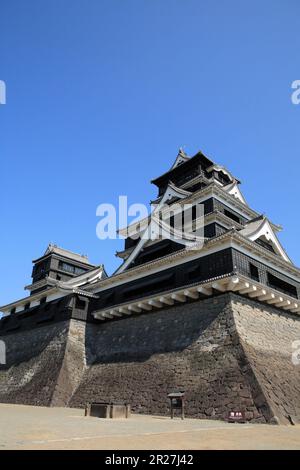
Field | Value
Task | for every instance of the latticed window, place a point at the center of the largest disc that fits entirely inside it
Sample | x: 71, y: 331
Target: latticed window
x: 254, y: 272
x: 71, y: 268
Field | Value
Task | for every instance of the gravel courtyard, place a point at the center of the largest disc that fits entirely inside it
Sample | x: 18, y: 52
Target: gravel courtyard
x: 29, y: 427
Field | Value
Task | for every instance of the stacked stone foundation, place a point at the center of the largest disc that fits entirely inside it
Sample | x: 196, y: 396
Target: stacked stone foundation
x: 228, y: 353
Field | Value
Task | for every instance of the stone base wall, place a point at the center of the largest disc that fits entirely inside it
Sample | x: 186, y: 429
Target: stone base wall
x: 227, y: 353
x: 34, y: 359
x: 266, y: 336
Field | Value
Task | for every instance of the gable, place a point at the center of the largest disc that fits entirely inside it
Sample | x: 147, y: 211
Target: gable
x: 235, y: 191
x: 260, y: 231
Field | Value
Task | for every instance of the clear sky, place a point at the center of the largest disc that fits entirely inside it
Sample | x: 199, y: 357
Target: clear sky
x: 102, y: 93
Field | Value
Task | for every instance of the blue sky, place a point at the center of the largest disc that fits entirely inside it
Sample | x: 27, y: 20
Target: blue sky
x: 102, y: 93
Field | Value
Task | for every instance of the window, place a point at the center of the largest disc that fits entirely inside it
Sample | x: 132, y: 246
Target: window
x: 222, y: 177
x: 66, y: 267
x: 41, y: 268
x: 27, y: 306
x: 70, y: 268
x: 232, y: 216
x: 265, y: 244
x: 150, y: 286
x: 282, y: 286
x: 80, y: 304
x: 79, y: 271
x: 254, y: 272
x: 43, y: 300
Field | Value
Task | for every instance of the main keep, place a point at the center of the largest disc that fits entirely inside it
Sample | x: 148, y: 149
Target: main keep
x: 220, y: 322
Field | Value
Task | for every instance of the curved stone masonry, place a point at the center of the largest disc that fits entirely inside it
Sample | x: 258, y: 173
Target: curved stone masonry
x: 226, y: 352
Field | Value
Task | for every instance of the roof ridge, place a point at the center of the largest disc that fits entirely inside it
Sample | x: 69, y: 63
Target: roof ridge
x: 53, y: 247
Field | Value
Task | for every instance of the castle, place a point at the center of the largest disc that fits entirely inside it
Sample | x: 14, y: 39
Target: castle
x: 214, y: 313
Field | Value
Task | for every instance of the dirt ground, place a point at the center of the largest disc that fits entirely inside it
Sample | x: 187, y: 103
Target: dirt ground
x: 30, y: 427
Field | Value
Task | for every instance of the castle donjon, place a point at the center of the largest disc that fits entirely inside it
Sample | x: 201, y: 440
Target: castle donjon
x: 218, y: 321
